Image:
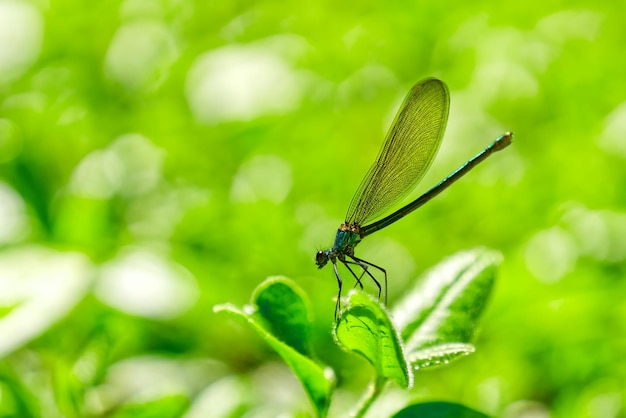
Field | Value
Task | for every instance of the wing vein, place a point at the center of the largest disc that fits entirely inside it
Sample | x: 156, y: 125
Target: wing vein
x: 407, y: 152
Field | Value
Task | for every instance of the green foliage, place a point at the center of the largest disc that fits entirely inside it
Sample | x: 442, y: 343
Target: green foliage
x: 166, y: 407
x: 280, y: 312
x: 158, y: 158
x: 439, y: 316
x: 439, y: 410
x: 365, y: 329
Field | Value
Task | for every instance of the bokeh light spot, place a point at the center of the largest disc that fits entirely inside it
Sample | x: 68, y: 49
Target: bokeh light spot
x: 612, y: 138
x: 241, y: 83
x: 40, y: 286
x: 14, y: 224
x: 21, y: 33
x: 141, y: 54
x: 264, y: 177
x: 143, y: 283
x: 550, y: 254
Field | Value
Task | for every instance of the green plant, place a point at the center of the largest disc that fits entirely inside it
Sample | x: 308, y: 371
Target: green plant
x: 433, y: 325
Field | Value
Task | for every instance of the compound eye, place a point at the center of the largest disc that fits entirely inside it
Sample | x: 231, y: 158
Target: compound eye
x: 321, y: 258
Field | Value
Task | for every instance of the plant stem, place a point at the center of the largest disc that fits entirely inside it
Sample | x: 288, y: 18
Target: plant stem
x: 373, y: 391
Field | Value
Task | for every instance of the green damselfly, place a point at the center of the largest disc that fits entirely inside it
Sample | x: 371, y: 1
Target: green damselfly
x: 408, y: 151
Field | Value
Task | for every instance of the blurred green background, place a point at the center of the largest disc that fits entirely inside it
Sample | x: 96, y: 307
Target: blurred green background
x: 158, y: 157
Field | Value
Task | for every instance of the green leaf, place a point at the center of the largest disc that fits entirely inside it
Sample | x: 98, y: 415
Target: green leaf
x: 279, y: 312
x: 444, y: 308
x: 438, y: 355
x: 364, y: 328
x: 284, y: 309
x: 167, y: 407
x: 439, y: 410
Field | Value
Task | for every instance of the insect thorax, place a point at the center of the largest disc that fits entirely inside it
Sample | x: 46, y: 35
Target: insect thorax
x: 347, y: 237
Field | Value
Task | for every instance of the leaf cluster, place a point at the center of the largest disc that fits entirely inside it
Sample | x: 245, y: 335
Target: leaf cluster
x: 432, y: 326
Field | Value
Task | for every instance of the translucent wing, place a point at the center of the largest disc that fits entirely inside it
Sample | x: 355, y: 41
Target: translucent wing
x: 409, y: 149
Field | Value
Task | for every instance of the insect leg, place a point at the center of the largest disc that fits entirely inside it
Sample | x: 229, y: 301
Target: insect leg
x: 358, y: 279
x: 364, y: 264
x: 339, y: 284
